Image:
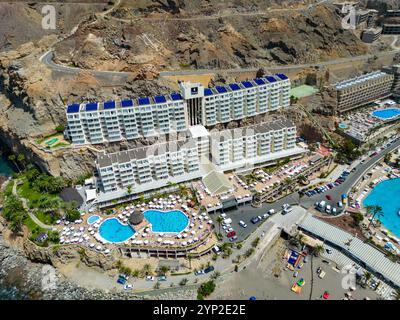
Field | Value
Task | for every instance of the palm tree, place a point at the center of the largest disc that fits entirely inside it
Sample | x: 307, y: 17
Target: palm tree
x: 398, y: 294
x: 13, y: 158
x: 318, y: 249
x: 147, y: 269
x: 129, y: 189
x: 164, y: 270
x: 215, y: 275
x: 374, y: 211
x: 21, y: 159
x: 368, y: 277
x: 219, y: 220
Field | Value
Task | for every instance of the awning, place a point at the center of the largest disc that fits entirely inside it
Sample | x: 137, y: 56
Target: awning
x: 90, y: 194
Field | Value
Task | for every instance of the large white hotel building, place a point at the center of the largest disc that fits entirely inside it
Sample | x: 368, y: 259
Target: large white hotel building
x: 153, y: 167
x: 112, y: 121
x: 189, y: 113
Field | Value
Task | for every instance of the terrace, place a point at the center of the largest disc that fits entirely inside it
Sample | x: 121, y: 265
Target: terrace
x: 193, y: 235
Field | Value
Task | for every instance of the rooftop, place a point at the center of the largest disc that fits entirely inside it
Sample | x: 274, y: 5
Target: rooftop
x: 175, y: 96
x: 373, y: 258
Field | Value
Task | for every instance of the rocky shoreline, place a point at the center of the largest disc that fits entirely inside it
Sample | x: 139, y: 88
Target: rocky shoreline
x: 27, y: 272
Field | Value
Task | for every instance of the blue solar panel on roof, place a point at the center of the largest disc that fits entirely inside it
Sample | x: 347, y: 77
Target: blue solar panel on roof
x: 208, y: 92
x: 247, y: 84
x: 282, y: 76
x: 221, y: 89
x: 260, y: 82
x: 73, y: 108
x: 234, y: 86
x: 126, y: 103
x: 160, y: 99
x: 271, y: 79
x: 109, y: 105
x: 176, y: 96
x: 143, y: 101
x: 92, y: 106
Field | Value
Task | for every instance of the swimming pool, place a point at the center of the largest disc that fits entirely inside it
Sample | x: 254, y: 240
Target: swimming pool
x: 51, y: 142
x: 386, y: 195
x: 92, y: 219
x: 112, y: 230
x: 167, y: 221
x: 343, y: 125
x: 386, y: 114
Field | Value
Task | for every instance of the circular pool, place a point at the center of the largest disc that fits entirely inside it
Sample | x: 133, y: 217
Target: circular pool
x: 112, y: 230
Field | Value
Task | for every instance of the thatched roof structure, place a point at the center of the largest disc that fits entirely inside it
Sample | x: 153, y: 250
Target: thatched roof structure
x: 136, y: 217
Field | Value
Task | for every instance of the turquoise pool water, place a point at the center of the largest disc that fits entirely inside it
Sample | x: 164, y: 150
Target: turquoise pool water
x: 386, y: 194
x: 114, y: 231
x: 92, y: 219
x: 386, y: 114
x: 342, y: 126
x: 167, y: 221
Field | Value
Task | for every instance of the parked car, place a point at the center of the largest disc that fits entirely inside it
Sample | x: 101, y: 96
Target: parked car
x: 334, y: 211
x: 209, y: 269
x: 329, y: 251
x: 216, y: 249
x: 254, y: 220
x: 149, y: 278
x: 162, y: 278
x: 295, y: 274
x: 233, y: 238
x: 305, y: 260
x: 231, y: 234
x: 121, y: 280
x: 242, y: 224
x: 321, y: 275
x: 265, y: 216
x: 199, y: 272
x: 128, y: 286
x: 271, y: 212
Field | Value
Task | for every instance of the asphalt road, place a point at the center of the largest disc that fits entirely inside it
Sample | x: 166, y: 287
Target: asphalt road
x: 351, y: 180
x: 246, y: 212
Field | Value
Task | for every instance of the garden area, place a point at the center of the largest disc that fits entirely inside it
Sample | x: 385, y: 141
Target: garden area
x: 40, y: 192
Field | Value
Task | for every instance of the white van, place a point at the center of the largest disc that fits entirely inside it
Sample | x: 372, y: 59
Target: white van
x: 271, y: 212
x: 227, y: 221
x: 328, y: 209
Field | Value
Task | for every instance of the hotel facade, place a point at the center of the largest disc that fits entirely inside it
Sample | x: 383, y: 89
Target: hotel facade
x: 153, y: 167
x: 362, y: 90
x: 114, y: 121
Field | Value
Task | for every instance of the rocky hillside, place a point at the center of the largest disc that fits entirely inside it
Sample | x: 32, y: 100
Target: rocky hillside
x: 196, y: 38
x: 143, y: 37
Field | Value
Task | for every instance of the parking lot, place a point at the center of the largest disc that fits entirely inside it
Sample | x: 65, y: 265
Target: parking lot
x: 247, y: 212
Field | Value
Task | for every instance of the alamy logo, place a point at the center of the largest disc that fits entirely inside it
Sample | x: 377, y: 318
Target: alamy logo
x: 49, y: 17
x: 349, y: 21
x: 349, y: 280
x: 49, y: 279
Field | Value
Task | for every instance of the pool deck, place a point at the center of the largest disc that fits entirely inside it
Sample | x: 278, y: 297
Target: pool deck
x: 83, y: 233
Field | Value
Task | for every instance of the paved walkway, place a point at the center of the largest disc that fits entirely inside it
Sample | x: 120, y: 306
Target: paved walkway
x: 28, y: 210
